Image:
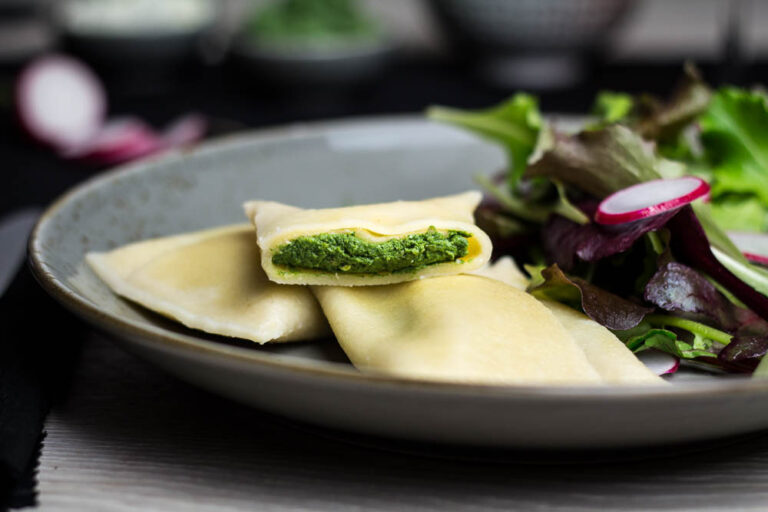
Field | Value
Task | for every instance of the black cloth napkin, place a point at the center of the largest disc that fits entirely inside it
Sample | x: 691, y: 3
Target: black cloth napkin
x: 39, y: 347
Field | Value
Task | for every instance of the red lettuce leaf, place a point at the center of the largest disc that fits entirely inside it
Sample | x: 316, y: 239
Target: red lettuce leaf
x: 678, y: 289
x: 598, y: 162
x: 603, y: 307
x: 690, y: 246
x: 565, y: 241
x: 681, y: 290
x: 665, y: 120
x: 744, y: 351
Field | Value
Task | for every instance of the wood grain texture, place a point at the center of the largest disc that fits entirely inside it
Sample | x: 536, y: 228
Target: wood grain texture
x: 133, y: 438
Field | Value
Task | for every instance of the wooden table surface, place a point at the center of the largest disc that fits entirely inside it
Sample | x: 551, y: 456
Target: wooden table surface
x: 133, y: 438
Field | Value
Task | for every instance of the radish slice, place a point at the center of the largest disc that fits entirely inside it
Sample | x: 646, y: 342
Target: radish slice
x: 60, y: 102
x: 138, y: 148
x: 120, y: 140
x: 660, y: 363
x: 650, y: 199
x: 115, y: 134
x: 184, y: 131
x: 754, y: 246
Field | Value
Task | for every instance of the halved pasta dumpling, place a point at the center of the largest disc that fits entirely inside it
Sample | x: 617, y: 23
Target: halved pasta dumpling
x: 211, y: 280
x: 371, y: 244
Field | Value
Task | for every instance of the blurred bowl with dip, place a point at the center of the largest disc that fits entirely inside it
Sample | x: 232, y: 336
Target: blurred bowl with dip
x: 535, y: 44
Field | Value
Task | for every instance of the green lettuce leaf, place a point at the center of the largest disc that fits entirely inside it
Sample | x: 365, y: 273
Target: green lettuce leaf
x: 667, y: 341
x: 735, y: 213
x: 761, y: 372
x: 515, y: 124
x: 612, y: 107
x: 753, y: 275
x: 663, y: 121
x: 533, y: 211
x: 734, y: 134
x: 715, y: 235
x: 598, y: 162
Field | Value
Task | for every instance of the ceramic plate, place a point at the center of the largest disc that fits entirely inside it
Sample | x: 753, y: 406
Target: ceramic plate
x: 335, y: 164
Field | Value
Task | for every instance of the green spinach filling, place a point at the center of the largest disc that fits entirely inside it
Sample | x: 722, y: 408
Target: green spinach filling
x: 348, y: 253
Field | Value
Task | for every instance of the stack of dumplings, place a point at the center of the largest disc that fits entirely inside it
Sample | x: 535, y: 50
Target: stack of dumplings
x: 405, y: 287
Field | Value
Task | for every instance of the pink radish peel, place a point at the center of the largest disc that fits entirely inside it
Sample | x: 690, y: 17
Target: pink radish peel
x: 62, y: 104
x: 754, y: 246
x: 650, y: 199
x: 660, y: 363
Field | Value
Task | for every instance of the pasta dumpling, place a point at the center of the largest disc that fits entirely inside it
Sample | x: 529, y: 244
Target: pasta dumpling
x: 371, y: 244
x: 211, y: 280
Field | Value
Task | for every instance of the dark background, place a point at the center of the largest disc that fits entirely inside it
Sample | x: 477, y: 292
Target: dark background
x: 643, y: 52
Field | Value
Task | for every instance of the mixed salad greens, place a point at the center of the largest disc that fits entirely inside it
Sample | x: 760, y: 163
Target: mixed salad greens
x: 673, y: 281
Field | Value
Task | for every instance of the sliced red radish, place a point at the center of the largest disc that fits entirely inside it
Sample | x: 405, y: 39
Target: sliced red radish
x: 184, y: 131
x: 115, y: 134
x: 754, y: 246
x: 60, y: 102
x: 649, y: 199
x: 128, y: 138
x: 660, y: 363
x: 137, y: 149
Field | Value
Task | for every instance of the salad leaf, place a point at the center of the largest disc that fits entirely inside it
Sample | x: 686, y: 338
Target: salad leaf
x: 696, y: 329
x: 611, y: 107
x: 515, y: 123
x: 753, y: 275
x: 717, y: 238
x: 512, y: 203
x: 736, y: 213
x: 565, y: 241
x: 740, y: 354
x: 610, y: 310
x: 598, y: 162
x: 761, y: 372
x: 690, y: 245
x: 733, y: 132
x: 498, y: 225
x: 744, y: 350
x: 750, y: 324
x: 680, y: 289
x: 667, y: 341
x: 565, y: 208
x: 665, y: 121
x: 532, y: 211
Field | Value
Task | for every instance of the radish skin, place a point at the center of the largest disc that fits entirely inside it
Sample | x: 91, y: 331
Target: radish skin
x: 659, y: 362
x: 649, y: 199
x: 754, y: 246
x: 60, y: 102
x: 184, y: 131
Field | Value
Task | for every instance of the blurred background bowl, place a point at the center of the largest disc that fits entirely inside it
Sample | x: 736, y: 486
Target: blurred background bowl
x: 343, y: 65
x: 529, y: 43
x: 25, y: 31
x: 124, y: 32
x: 312, y: 43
